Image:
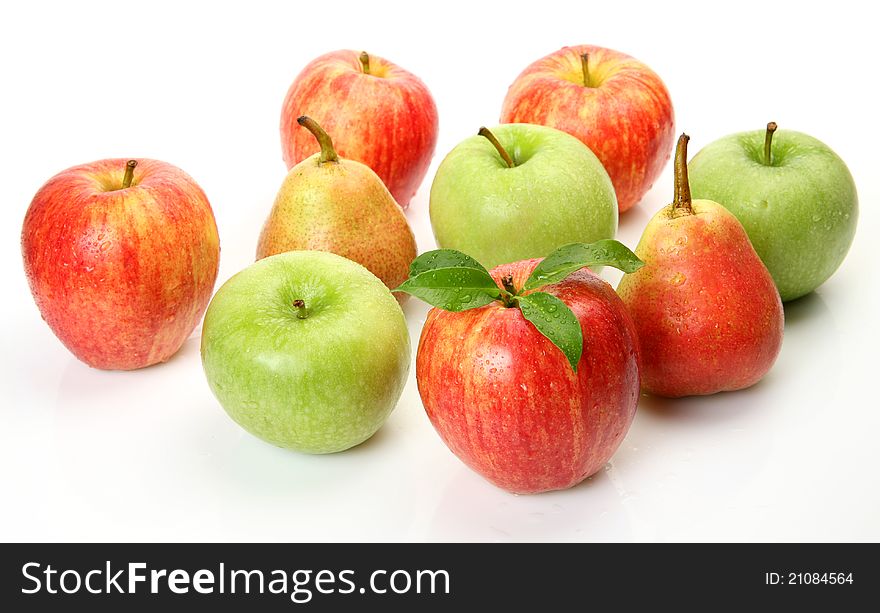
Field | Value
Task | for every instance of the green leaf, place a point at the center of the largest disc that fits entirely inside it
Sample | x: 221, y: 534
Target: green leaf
x: 569, y: 258
x: 443, y: 258
x: 555, y: 320
x: 453, y: 288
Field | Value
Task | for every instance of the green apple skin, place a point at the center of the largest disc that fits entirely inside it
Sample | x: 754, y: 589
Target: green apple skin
x: 318, y: 385
x: 557, y: 193
x: 800, y: 212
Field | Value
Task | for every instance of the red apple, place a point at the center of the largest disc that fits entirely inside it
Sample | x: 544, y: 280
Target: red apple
x: 506, y: 401
x: 376, y: 112
x: 613, y: 103
x: 121, y: 260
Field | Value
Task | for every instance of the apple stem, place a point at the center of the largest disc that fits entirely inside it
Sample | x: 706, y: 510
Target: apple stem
x: 302, y: 311
x: 682, y: 203
x: 484, y: 131
x: 509, y: 290
x: 768, y: 140
x: 507, y: 282
x: 585, y: 67
x: 129, y: 174
x: 328, y: 153
x: 365, y: 62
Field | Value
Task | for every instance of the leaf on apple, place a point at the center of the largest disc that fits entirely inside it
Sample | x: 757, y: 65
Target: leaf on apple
x: 452, y: 288
x: 443, y: 258
x: 569, y: 258
x: 556, y: 321
x: 454, y: 281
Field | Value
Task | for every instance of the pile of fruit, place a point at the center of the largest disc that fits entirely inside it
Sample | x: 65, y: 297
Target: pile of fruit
x: 529, y: 366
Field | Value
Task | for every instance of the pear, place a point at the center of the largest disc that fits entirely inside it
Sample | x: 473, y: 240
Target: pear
x: 328, y: 203
x: 708, y: 314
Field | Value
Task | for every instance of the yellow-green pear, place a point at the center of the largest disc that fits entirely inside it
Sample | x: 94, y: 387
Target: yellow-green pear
x: 328, y: 203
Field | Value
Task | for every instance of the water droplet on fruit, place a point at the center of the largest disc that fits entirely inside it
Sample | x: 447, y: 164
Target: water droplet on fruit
x: 817, y: 218
x: 678, y: 279
x: 105, y: 245
x: 250, y: 405
x: 551, y: 308
x: 846, y: 215
x: 682, y: 241
x: 465, y: 298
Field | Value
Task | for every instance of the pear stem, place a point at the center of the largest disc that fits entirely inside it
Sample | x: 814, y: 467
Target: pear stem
x: 585, y: 67
x: 484, y: 132
x: 768, y: 140
x: 365, y: 61
x: 302, y: 311
x: 682, y: 203
x: 328, y: 153
x: 129, y: 174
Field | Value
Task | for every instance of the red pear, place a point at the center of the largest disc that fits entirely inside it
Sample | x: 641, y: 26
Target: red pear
x: 708, y: 314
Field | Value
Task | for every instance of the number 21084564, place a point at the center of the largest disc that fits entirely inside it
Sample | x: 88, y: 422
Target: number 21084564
x: 802, y: 578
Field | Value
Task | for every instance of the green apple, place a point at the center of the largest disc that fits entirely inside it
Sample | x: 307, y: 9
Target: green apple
x: 792, y: 193
x: 520, y: 191
x: 306, y: 350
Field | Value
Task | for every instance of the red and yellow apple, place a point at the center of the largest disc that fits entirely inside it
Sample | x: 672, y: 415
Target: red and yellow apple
x: 613, y: 103
x: 376, y: 113
x: 121, y: 258
x: 506, y: 401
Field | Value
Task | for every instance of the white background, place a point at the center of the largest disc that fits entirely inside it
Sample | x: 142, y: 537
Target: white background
x: 150, y: 455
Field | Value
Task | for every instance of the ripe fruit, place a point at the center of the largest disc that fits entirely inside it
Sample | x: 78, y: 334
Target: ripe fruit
x: 328, y: 203
x: 121, y: 259
x: 794, y: 196
x: 520, y: 191
x: 532, y: 389
x: 306, y: 350
x: 378, y: 113
x: 707, y: 312
x: 613, y: 103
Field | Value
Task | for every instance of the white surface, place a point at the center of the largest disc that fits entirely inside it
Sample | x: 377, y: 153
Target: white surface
x: 150, y: 455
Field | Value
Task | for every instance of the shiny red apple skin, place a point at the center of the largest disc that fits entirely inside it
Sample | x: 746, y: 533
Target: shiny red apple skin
x: 122, y: 276
x: 386, y: 119
x: 505, y: 400
x: 626, y: 118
